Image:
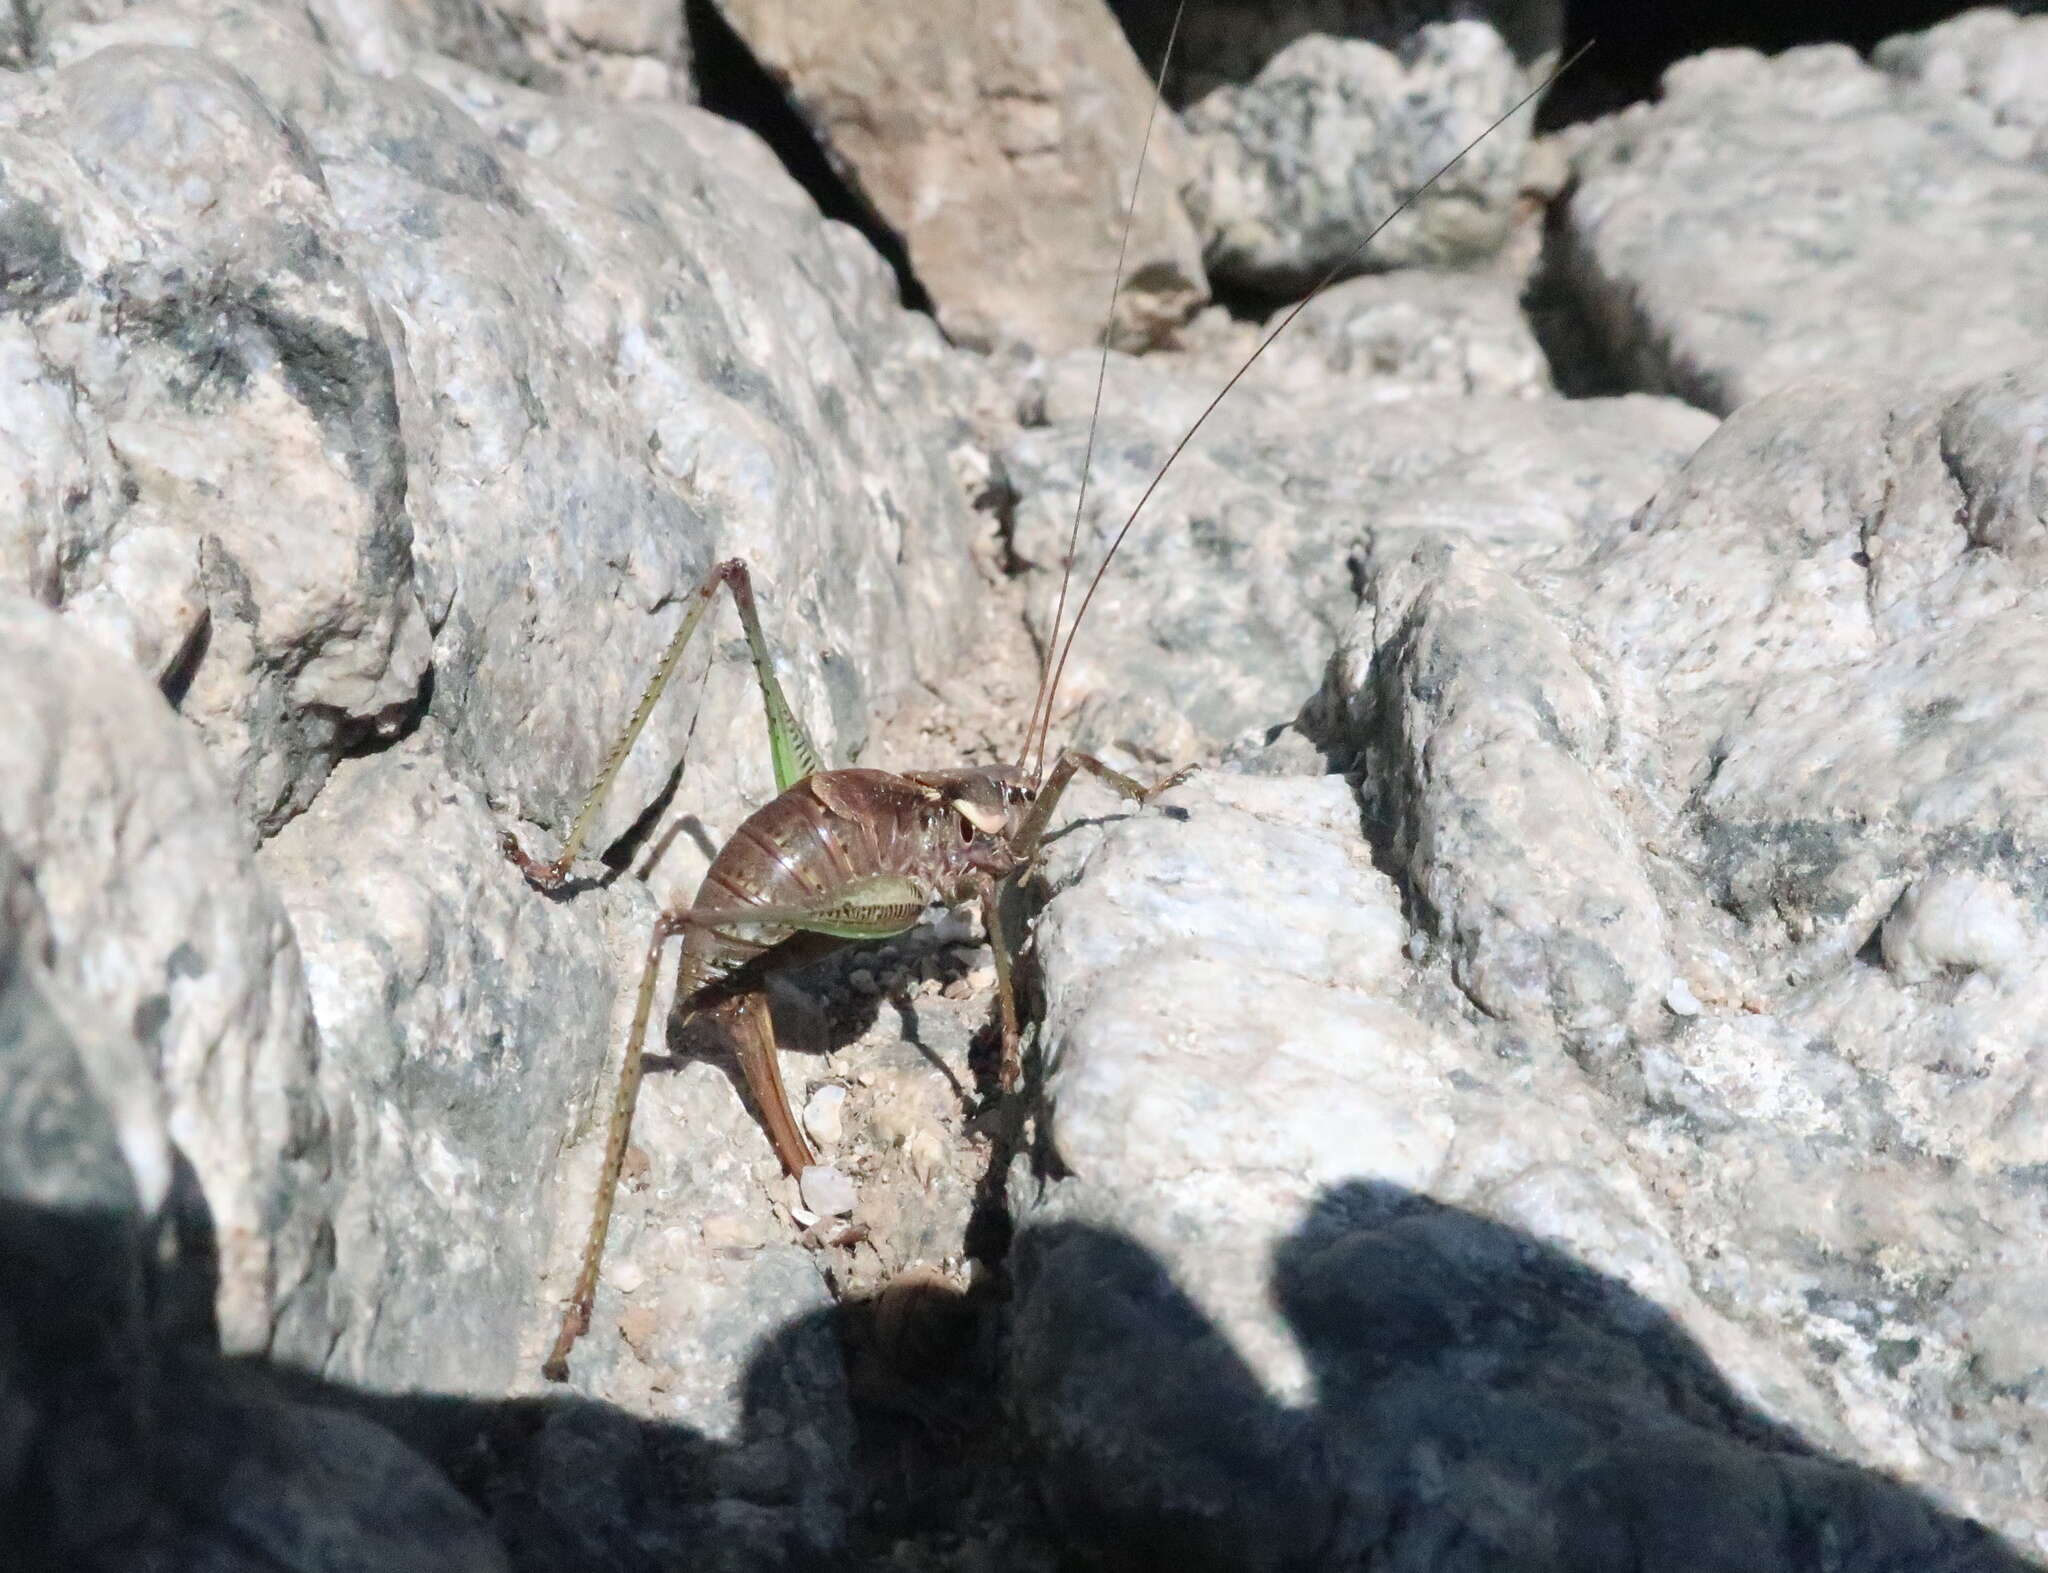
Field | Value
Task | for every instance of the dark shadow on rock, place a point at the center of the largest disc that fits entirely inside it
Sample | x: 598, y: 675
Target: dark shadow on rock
x: 1481, y: 1401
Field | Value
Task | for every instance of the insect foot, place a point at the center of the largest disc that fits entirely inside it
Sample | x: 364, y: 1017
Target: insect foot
x: 549, y: 877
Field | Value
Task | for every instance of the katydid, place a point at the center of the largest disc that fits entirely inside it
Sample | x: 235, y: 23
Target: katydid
x: 848, y: 855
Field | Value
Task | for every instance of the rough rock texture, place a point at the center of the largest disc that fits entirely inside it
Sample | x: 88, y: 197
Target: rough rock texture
x: 1990, y: 57
x: 1711, y: 964
x: 1225, y: 599
x: 382, y: 418
x: 1001, y: 143
x: 191, y: 345
x: 1229, y: 41
x: 1284, y: 189
x: 127, y: 1444
x: 621, y: 49
x: 506, y: 304
x: 1600, y: 1129
x: 1392, y: 336
x: 1769, y: 219
x: 164, y: 934
x: 1336, y: 1274
x: 1480, y: 741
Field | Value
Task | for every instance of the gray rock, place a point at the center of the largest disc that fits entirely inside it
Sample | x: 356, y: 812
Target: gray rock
x: 1767, y: 220
x: 194, y: 348
x: 1336, y: 1274
x: 1230, y: 41
x: 1479, y: 732
x: 626, y: 360
x: 1229, y: 591
x: 1812, y: 719
x: 1295, y: 169
x: 1411, y: 334
x: 124, y: 1443
x: 620, y: 49
x: 1988, y: 56
x: 578, y: 354
x: 1003, y: 155
x: 162, y: 929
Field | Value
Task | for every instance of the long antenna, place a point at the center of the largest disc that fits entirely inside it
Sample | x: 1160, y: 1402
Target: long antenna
x: 1035, y: 732
x: 1329, y: 278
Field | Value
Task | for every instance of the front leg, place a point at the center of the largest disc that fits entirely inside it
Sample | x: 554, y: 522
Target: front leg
x: 991, y: 893
x: 1026, y: 845
x: 794, y: 754
x: 1063, y: 769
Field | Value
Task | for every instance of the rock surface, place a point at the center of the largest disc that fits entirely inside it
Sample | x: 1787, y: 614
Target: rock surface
x: 163, y: 932
x: 1337, y: 1272
x: 1722, y: 830
x: 1282, y: 199
x: 1001, y: 144
x: 1225, y: 601
x: 128, y: 1443
x: 1600, y: 1126
x: 375, y: 418
x: 1769, y: 219
x: 1226, y: 41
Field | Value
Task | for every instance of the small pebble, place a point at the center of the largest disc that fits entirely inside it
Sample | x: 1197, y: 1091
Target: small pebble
x: 637, y: 1326
x: 626, y: 1276
x: 926, y: 1152
x: 962, y: 925
x: 826, y: 1191
x: 822, y: 1112
x: 1680, y: 1000
x: 981, y: 978
x: 958, y: 989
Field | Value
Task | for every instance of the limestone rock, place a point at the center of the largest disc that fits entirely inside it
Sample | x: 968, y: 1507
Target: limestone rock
x: 1295, y: 169
x: 572, y: 355
x: 1229, y: 591
x: 162, y: 929
x: 1811, y: 718
x: 1767, y: 220
x: 195, y: 348
x: 128, y: 1444
x: 1001, y: 144
x: 1410, y: 334
x: 1230, y: 41
x: 1328, y: 1273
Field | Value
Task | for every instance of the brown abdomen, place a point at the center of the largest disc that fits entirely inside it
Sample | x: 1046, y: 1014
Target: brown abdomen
x: 804, y: 849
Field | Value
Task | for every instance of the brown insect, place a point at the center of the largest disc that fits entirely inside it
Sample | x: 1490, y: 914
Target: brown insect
x: 846, y: 855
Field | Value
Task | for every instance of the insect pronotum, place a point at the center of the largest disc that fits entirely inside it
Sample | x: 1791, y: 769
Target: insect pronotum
x: 845, y: 855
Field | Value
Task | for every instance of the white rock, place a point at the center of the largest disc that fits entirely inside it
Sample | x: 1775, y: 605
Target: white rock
x: 826, y: 1191
x: 625, y: 1276
x: 822, y: 1114
x: 1680, y: 1000
x: 1742, y: 232
x: 1278, y: 213
x: 1958, y: 922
